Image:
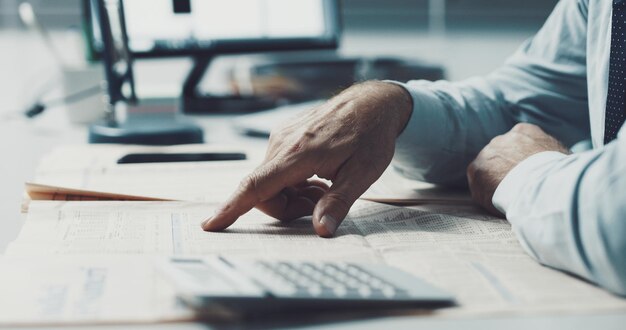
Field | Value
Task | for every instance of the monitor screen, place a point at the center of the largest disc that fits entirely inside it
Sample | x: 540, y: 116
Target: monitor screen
x: 186, y: 27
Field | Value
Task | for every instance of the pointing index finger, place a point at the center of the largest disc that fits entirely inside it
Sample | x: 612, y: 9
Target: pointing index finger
x: 262, y: 184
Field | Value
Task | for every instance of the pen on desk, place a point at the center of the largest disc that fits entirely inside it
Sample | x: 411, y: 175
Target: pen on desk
x: 140, y: 158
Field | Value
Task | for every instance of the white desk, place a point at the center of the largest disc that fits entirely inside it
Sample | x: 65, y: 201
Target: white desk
x: 24, y: 142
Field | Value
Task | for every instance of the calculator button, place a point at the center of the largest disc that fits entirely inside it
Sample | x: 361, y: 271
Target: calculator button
x: 329, y: 282
x: 352, y: 283
x: 340, y: 291
x: 365, y: 292
x: 388, y: 292
x: 310, y: 279
x: 364, y: 277
x: 352, y: 270
x: 304, y: 282
x: 342, y: 277
x: 376, y: 283
x: 315, y: 291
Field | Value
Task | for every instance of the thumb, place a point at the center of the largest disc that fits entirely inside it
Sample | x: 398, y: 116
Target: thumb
x: 335, y: 204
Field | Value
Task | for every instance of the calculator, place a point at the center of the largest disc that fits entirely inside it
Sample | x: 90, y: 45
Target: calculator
x: 219, y: 285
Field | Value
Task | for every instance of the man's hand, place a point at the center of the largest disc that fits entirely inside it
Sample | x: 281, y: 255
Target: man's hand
x: 503, y: 153
x: 350, y: 141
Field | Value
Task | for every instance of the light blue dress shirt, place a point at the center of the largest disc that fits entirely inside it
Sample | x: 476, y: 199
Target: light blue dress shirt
x: 569, y: 212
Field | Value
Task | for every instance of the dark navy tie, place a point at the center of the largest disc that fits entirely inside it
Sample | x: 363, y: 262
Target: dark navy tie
x: 616, y: 96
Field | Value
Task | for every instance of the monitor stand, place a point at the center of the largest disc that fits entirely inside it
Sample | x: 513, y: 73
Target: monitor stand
x: 146, y: 129
x: 195, y: 102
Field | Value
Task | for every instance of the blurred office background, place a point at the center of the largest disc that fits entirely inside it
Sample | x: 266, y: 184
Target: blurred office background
x: 409, y: 15
x: 466, y: 37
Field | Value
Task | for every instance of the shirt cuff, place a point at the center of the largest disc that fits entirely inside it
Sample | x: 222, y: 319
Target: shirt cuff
x: 424, y: 101
x: 513, y: 183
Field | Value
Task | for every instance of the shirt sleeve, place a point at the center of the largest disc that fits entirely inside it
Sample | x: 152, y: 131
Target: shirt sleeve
x: 543, y: 83
x: 569, y: 212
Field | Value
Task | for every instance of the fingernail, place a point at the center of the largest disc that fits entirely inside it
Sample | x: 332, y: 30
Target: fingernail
x: 329, y: 223
x: 205, y: 222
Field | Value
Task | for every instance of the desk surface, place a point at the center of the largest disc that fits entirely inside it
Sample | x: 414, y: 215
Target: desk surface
x: 24, y: 142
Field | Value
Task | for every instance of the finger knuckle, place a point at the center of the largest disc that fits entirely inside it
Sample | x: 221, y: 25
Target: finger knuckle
x: 278, y: 134
x: 474, y: 193
x: 304, y: 148
x: 477, y: 175
x: 306, y: 137
x: 274, y: 137
x: 496, y: 140
x: 340, y: 199
x: 520, y: 127
x: 371, y: 170
x: 525, y: 127
x: 471, y: 169
x: 482, y: 155
x: 250, y: 183
x: 296, y: 147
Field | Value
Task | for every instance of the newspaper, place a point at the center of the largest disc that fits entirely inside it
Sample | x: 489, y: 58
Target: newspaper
x: 90, y: 289
x: 470, y: 254
x: 159, y: 228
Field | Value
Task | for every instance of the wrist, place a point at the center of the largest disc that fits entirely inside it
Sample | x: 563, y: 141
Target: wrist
x: 512, y: 185
x: 402, y: 103
x: 391, y: 98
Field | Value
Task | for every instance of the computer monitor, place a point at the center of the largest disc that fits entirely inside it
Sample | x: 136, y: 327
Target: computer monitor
x: 158, y: 28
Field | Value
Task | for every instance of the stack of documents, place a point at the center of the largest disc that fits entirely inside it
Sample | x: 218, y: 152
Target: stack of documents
x: 92, y: 173
x: 91, y: 261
